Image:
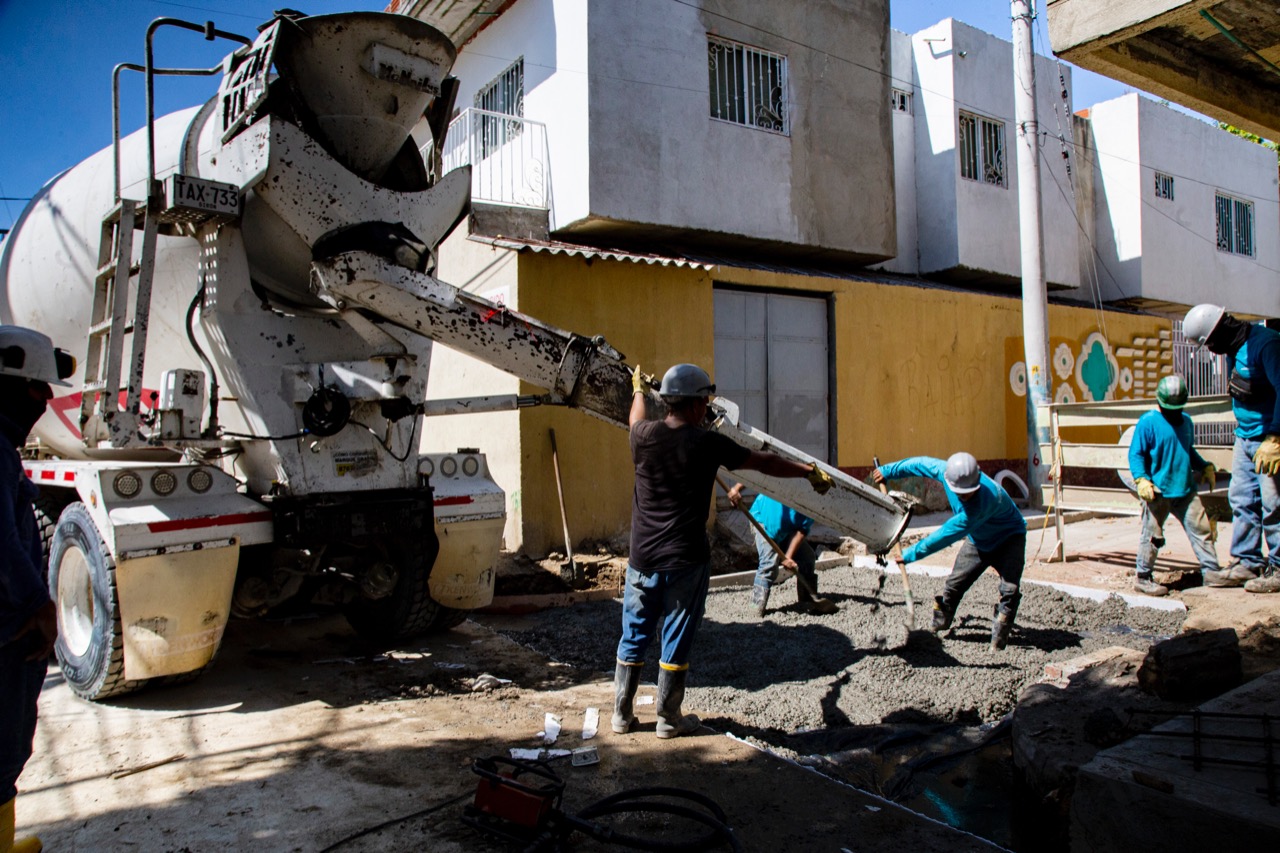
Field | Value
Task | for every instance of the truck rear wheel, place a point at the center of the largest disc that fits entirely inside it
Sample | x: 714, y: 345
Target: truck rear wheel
x: 82, y: 578
x: 47, y: 509
x: 409, y: 610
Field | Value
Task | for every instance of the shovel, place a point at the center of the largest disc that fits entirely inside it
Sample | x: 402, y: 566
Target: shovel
x: 782, y: 556
x: 906, y: 581
x: 575, y: 574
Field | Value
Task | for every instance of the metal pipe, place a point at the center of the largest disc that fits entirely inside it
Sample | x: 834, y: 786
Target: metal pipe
x: 210, y: 33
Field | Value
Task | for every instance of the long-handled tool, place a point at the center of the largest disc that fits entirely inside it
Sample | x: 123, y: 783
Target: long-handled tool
x: 564, y: 518
x: 906, y: 582
x: 782, y: 556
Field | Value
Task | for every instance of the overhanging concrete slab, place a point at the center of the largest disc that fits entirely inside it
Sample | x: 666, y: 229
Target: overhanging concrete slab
x: 1218, y: 57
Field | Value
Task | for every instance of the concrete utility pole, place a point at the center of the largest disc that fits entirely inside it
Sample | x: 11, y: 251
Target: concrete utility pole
x: 1035, y: 307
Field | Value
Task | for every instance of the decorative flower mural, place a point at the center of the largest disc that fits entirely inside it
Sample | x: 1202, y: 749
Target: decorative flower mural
x: 1018, y: 378
x: 1063, y: 360
x: 1065, y: 394
x: 1126, y: 379
x: 1097, y: 372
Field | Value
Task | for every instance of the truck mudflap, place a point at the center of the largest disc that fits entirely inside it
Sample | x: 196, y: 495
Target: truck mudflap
x: 470, y: 514
x: 174, y: 605
x: 585, y: 373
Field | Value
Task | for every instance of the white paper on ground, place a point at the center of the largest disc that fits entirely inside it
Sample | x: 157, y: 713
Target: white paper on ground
x: 550, y: 728
x: 590, y: 723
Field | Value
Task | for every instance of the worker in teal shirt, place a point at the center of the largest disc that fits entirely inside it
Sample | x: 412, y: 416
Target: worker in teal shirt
x: 789, y: 530
x: 1165, y: 466
x: 994, y: 530
x: 1253, y: 351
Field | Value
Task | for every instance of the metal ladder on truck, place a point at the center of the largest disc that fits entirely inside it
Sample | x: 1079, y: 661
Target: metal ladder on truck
x: 104, y: 417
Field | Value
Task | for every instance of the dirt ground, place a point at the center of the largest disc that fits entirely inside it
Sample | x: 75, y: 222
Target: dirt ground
x: 301, y: 738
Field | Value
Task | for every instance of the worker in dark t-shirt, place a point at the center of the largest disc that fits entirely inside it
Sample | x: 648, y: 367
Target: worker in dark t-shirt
x: 669, y: 566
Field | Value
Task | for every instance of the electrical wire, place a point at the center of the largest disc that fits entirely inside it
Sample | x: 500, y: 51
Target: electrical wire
x: 393, y: 821
x: 385, y: 443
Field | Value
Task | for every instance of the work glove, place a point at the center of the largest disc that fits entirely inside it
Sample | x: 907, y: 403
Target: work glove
x: 638, y: 383
x: 1267, y: 458
x: 820, y: 480
x: 1210, y: 475
x: 1146, y: 489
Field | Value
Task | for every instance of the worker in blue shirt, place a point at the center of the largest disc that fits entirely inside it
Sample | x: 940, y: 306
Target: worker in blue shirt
x: 29, y: 364
x: 1165, y: 466
x: 1253, y: 351
x: 994, y: 530
x: 790, y: 530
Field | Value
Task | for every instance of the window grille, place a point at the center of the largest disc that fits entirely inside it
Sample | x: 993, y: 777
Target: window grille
x: 899, y: 101
x: 1206, y: 373
x: 982, y: 149
x: 748, y: 86
x: 1235, y: 225
x: 1164, y: 186
x: 505, y: 95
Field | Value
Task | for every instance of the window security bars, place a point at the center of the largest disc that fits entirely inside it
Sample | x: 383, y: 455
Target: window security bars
x: 502, y: 97
x: 981, y: 147
x: 900, y: 101
x: 748, y: 86
x: 1235, y: 225
x: 1206, y: 374
x: 1164, y: 186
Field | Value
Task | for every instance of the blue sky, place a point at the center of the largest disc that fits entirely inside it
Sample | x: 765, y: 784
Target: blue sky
x: 55, y: 104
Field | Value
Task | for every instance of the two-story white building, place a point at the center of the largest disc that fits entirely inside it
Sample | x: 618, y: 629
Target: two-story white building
x: 705, y: 185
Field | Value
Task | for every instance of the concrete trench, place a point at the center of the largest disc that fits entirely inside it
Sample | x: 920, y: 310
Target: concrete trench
x: 917, y: 718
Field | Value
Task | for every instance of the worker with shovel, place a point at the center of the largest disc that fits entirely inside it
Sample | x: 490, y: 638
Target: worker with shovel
x: 669, y: 566
x: 994, y: 530
x: 777, y: 525
x: 1165, y: 466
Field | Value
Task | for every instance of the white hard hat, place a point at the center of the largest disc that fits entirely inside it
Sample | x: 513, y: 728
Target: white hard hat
x: 963, y: 474
x: 1201, y: 321
x: 32, y: 355
x: 687, y: 380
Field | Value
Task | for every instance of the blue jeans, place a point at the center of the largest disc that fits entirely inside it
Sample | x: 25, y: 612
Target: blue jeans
x: 1190, y: 514
x: 1255, y: 509
x: 20, y: 683
x: 769, y: 565
x: 670, y: 603
x: 1008, y: 559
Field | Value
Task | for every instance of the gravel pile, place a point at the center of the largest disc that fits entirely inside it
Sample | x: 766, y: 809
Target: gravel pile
x: 793, y: 672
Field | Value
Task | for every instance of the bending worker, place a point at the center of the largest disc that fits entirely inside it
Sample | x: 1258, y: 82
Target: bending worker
x: 994, y: 530
x: 29, y: 364
x: 1165, y: 466
x: 789, y: 529
x: 1255, y: 459
x: 669, y: 567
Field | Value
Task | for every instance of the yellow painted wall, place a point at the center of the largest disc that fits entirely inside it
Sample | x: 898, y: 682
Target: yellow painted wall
x: 656, y: 316
x: 920, y: 370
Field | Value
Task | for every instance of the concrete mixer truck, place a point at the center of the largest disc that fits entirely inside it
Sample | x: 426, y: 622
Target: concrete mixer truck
x: 252, y: 285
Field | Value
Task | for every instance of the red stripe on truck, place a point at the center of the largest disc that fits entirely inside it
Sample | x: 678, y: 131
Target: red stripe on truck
x: 210, y: 521
x: 455, y: 500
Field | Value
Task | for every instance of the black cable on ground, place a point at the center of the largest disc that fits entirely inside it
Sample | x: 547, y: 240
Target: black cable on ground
x: 362, y: 833
x: 635, y: 801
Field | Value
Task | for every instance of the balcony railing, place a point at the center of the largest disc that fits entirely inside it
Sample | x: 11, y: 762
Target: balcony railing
x: 507, y: 155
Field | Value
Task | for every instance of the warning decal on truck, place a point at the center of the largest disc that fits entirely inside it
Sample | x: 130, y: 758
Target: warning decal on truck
x: 355, y: 463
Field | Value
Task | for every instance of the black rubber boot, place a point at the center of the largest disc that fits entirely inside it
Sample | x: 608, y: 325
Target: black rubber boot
x: 943, y: 613
x: 626, y: 678
x: 672, y: 723
x: 1001, y: 626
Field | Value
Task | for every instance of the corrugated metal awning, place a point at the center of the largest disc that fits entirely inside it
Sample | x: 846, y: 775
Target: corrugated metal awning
x: 576, y: 250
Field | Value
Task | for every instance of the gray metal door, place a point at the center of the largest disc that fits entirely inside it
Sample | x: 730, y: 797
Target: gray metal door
x: 772, y: 360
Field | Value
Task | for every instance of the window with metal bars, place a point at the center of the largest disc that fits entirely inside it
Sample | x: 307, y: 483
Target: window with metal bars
x: 982, y: 149
x: 1164, y: 186
x: 748, y: 86
x: 1235, y: 225
x: 505, y: 94
x: 899, y: 101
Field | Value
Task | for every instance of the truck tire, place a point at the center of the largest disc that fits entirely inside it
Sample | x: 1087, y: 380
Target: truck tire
x: 449, y: 617
x: 48, y: 506
x: 408, y: 611
x: 82, y: 579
